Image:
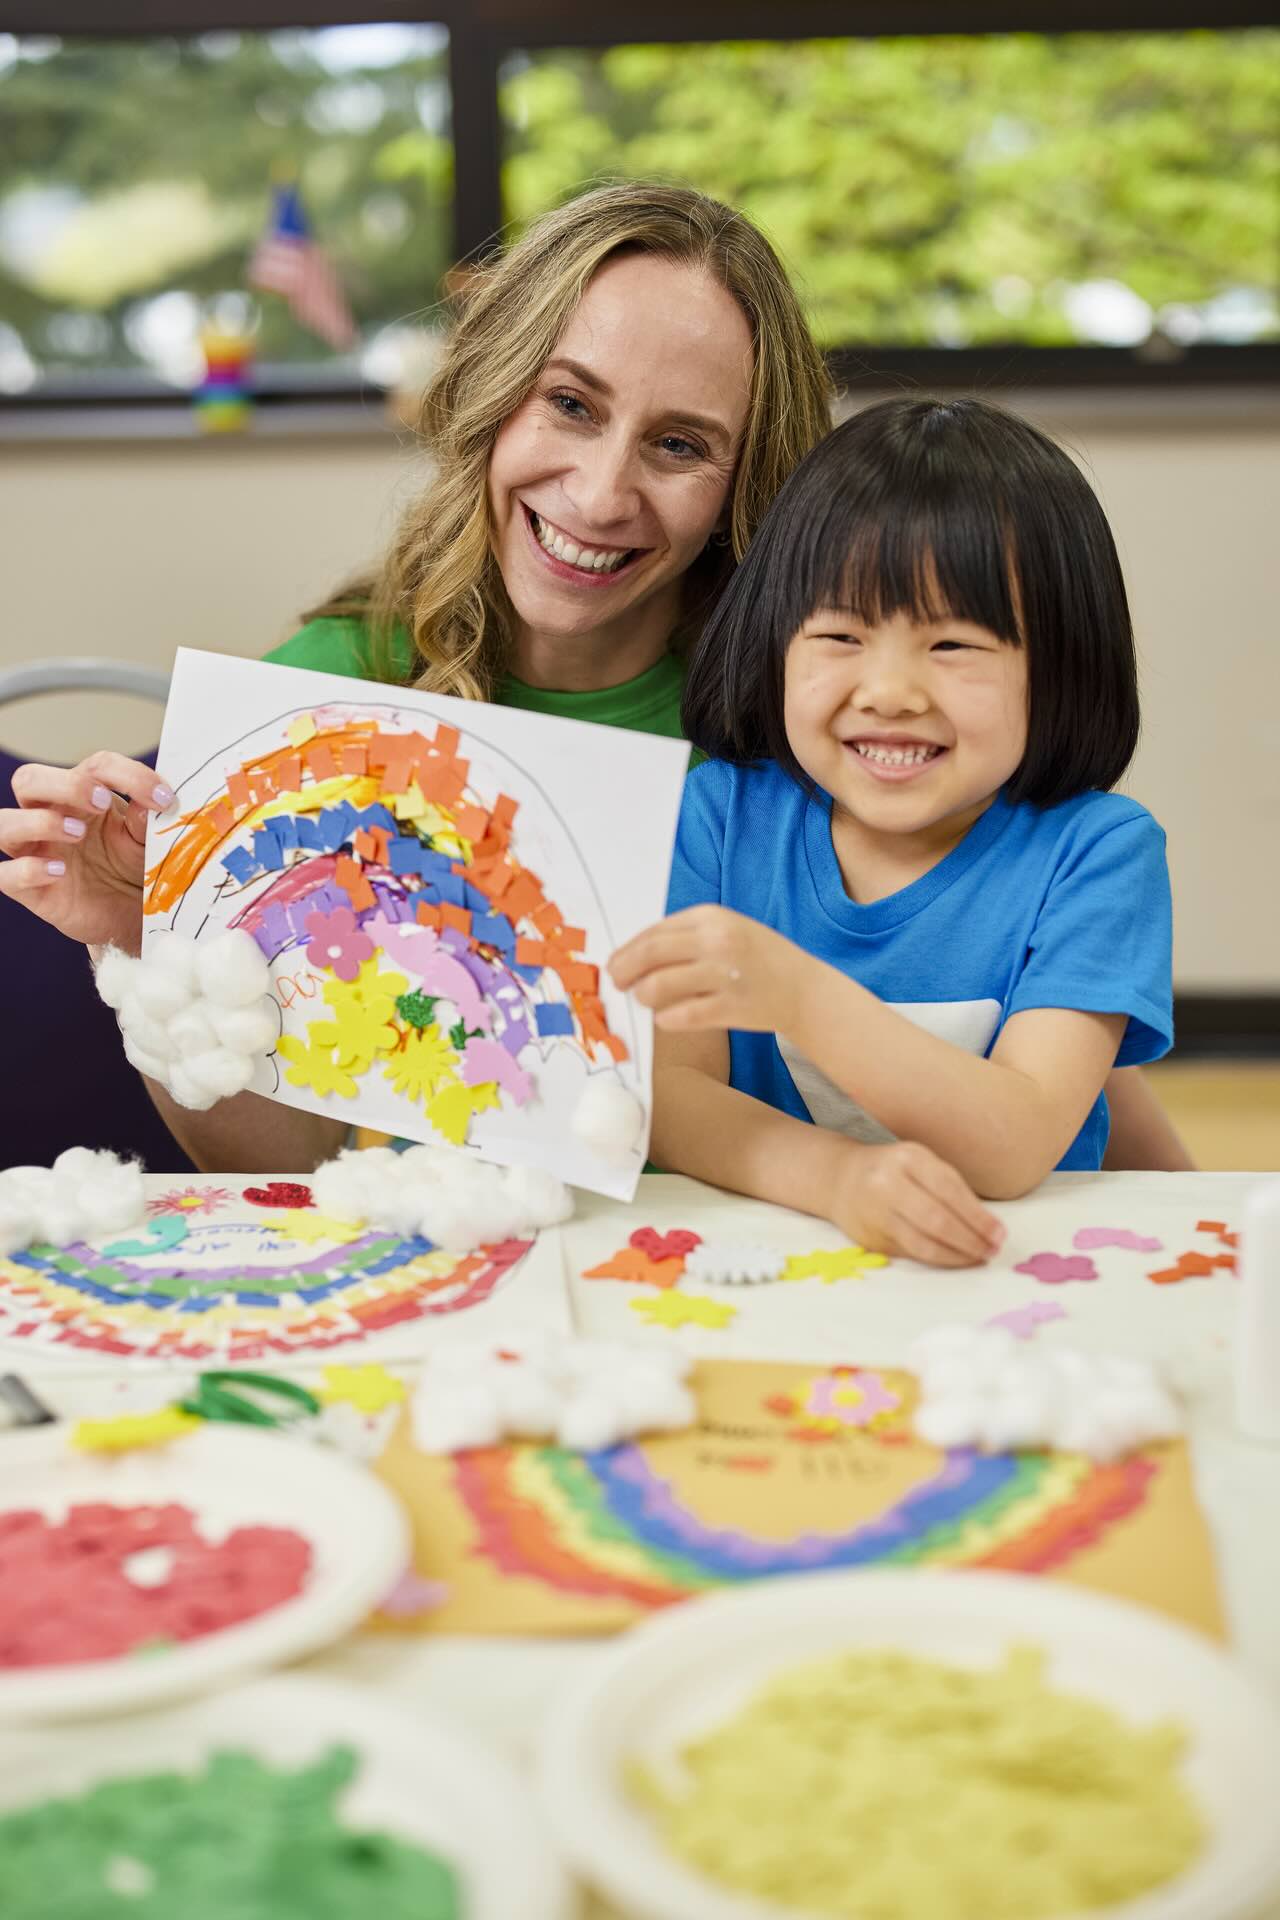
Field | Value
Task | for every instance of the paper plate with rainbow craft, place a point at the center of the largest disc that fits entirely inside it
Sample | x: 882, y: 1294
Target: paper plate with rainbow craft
x: 131, y: 1578
x: 434, y: 932
x: 235, y: 1273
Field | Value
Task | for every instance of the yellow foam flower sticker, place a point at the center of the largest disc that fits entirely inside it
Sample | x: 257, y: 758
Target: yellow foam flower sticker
x: 426, y: 1062
x: 450, y: 1112
x: 833, y: 1263
x: 356, y: 1035
x: 676, y: 1309
x: 312, y: 1065
x: 367, y: 1389
x: 372, y: 991
x: 308, y: 1226
x: 126, y: 1431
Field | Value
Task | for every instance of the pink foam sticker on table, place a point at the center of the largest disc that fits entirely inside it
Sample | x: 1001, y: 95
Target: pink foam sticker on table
x: 1052, y: 1269
x: 413, y: 1596
x: 1086, y: 1239
x: 1023, y: 1321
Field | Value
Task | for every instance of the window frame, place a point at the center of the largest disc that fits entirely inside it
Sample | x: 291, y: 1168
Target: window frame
x: 482, y: 33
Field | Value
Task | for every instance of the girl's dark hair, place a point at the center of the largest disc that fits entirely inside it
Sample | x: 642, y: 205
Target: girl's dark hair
x: 937, y: 509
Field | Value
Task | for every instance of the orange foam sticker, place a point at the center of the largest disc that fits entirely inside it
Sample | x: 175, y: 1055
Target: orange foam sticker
x: 355, y: 759
x: 629, y: 1263
x: 350, y: 878
x: 459, y: 918
x: 530, y: 953
x: 1211, y: 1226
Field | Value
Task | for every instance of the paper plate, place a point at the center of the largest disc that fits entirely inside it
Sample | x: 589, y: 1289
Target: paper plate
x: 692, y: 1668
x: 227, y: 1477
x: 419, y: 1779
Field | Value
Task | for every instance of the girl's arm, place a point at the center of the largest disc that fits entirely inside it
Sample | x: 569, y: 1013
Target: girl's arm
x: 249, y: 1134
x: 1143, y: 1138
x: 898, y: 1199
x: 1003, y: 1122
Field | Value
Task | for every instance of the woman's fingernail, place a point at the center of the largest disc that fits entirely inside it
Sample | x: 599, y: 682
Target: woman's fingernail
x: 101, y: 799
x: 74, y: 827
x: 162, y: 795
x: 57, y: 866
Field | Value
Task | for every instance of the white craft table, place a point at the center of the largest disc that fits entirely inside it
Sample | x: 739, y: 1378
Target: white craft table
x: 503, y: 1689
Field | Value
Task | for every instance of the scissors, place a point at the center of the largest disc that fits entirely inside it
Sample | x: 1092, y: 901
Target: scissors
x: 216, y: 1398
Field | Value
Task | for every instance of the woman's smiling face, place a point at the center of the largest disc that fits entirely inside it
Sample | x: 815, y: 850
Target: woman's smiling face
x: 608, y: 480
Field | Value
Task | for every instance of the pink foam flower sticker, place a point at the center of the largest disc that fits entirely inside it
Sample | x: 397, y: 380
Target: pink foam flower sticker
x: 338, y: 942
x: 1051, y: 1269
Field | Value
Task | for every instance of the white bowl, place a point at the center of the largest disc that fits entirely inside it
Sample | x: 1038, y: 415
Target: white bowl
x: 419, y: 1778
x: 695, y: 1666
x: 228, y: 1477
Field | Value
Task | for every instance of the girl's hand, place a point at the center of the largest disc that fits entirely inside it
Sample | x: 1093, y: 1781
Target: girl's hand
x: 75, y: 841
x: 708, y: 967
x: 902, y: 1199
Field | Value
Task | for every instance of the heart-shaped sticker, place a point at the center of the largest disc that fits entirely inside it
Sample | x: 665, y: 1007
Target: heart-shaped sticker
x: 676, y: 1245
x: 280, y: 1193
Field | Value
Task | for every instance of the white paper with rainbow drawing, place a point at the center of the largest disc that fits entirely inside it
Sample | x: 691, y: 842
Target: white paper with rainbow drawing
x: 436, y: 885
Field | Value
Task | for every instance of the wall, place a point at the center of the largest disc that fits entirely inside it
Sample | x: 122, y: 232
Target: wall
x: 129, y: 549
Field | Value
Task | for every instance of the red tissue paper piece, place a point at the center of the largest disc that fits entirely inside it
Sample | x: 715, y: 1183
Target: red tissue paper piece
x: 676, y: 1245
x: 1051, y: 1269
x: 66, y: 1593
x: 280, y: 1193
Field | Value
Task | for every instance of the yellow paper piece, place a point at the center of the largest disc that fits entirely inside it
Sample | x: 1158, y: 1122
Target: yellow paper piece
x: 409, y: 805
x: 308, y: 1226
x: 126, y: 1431
x: 299, y: 731
x: 833, y: 1263
x: 675, y: 1309
x: 369, y: 1389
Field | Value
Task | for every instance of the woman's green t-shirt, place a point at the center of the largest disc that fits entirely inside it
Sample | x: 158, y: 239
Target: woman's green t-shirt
x: 648, y: 704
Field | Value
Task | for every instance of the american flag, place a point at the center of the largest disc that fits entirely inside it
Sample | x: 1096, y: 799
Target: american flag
x: 287, y: 260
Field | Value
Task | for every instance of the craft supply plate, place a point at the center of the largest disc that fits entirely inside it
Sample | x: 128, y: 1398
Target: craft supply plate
x: 228, y: 1479
x: 694, y: 1667
x: 421, y: 1780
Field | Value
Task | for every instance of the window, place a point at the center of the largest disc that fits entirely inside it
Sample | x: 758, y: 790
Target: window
x: 1099, y: 190
x: 136, y: 176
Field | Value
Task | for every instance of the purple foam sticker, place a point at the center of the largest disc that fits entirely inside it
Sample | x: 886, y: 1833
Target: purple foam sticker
x: 1088, y: 1238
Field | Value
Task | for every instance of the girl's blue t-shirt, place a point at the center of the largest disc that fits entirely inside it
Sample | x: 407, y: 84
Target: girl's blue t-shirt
x: 1064, y: 906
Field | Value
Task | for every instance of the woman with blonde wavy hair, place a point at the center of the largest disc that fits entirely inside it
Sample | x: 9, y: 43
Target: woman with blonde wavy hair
x: 620, y: 397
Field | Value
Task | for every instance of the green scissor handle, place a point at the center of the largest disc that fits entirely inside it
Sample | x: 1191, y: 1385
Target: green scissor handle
x: 215, y: 1398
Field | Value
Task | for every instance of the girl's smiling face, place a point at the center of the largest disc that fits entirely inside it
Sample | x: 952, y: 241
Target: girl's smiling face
x: 911, y: 727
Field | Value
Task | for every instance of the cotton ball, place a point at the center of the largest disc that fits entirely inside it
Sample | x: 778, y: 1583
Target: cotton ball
x: 252, y: 1029
x: 186, y: 1090
x: 17, y: 1225
x: 189, y: 1033
x: 154, y: 1065
x: 79, y: 1163
x: 231, y: 969
x: 538, y: 1199
x: 338, y: 1186
x: 114, y: 975
x: 949, y: 1423
x: 455, y: 1418
x: 729, y: 1264
x: 172, y: 955
x: 590, y: 1421
x: 609, y: 1120
x: 219, y: 1073
x: 1014, y: 1419
x: 158, y: 995
x: 147, y: 1035
x: 528, y: 1402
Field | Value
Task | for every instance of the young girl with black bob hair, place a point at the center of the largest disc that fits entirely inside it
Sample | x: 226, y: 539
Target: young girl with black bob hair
x: 904, y: 903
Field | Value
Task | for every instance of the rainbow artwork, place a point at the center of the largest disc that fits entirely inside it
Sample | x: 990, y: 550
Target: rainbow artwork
x: 433, y: 925
x: 230, y: 1275
x: 790, y: 1470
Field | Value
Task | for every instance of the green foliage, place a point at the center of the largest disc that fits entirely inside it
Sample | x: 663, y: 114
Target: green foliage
x: 173, y: 146
x: 939, y: 190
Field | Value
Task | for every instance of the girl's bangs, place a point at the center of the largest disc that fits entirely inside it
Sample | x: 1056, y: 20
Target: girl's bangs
x: 931, y: 560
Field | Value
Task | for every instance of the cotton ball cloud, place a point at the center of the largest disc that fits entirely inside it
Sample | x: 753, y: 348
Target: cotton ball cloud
x: 197, y: 1016
x: 83, y: 1193
x: 584, y: 1394
x: 449, y: 1197
x: 979, y: 1387
x: 609, y: 1120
